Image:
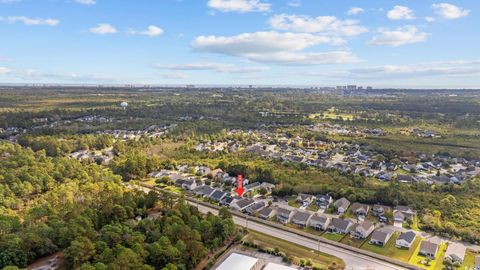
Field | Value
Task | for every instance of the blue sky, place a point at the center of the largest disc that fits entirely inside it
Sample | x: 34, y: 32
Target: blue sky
x: 262, y: 42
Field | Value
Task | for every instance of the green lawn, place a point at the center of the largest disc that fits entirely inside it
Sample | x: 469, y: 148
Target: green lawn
x: 352, y: 242
x: 391, y: 251
x: 436, y: 264
x: 319, y: 259
x: 469, y: 260
x: 313, y: 207
x: 293, y: 202
x: 333, y: 236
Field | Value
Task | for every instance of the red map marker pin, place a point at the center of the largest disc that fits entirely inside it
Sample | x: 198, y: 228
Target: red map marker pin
x: 240, y: 185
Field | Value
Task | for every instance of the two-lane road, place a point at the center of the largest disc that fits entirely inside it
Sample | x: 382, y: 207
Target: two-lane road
x: 353, y: 261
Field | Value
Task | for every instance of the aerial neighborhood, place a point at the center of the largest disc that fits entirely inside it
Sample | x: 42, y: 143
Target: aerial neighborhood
x: 337, y: 219
x: 348, y: 158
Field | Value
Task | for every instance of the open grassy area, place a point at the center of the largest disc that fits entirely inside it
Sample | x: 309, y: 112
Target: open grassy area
x: 319, y: 259
x: 391, y: 251
x: 333, y: 236
x: 469, y: 260
x: 436, y: 264
x: 352, y: 241
x: 293, y: 202
x: 313, y: 207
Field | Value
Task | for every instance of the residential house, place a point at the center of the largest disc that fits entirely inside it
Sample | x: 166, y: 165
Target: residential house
x: 319, y: 223
x: 218, y: 195
x: 362, y: 230
x: 255, y: 208
x: 305, y: 199
x: 323, y: 201
x: 456, y: 252
x: 189, y: 184
x: 428, y: 249
x: 379, y: 210
x: 401, y: 213
x: 252, y: 186
x: 300, y: 219
x: 242, y: 204
x: 227, y: 200
x: 342, y: 226
x: 204, y: 191
x: 342, y: 205
x: 380, y: 237
x: 384, y: 176
x: 405, y: 240
x: 284, y: 215
x: 404, y: 178
x: 360, y: 209
x: 267, y: 213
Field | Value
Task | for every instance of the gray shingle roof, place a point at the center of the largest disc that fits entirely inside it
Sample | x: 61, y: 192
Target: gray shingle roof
x: 301, y: 216
x: 380, y: 235
x: 244, y: 202
x: 343, y: 202
x: 319, y: 219
x: 218, y: 195
x: 428, y: 247
x: 341, y: 224
x: 283, y: 212
x: 407, y: 236
x: 265, y: 212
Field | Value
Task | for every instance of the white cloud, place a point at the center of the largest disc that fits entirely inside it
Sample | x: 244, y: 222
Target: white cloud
x: 307, y: 58
x: 418, y: 70
x: 295, y: 3
x: 449, y: 11
x: 438, y: 69
x: 103, y: 29
x: 429, y: 19
x: 403, y: 35
x: 37, y: 75
x: 355, y: 11
x: 30, y: 21
x: 219, y: 67
x: 86, y: 2
x: 152, y: 31
x: 322, y: 24
x: 261, y: 42
x: 401, y: 13
x: 274, y: 47
x: 4, y: 70
x: 240, y: 6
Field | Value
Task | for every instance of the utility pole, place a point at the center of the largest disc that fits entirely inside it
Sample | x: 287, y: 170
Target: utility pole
x: 319, y: 246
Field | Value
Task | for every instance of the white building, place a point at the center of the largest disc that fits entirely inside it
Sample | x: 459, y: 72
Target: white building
x: 240, y: 262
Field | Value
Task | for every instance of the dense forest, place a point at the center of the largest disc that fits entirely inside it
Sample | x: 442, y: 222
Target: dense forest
x: 50, y: 204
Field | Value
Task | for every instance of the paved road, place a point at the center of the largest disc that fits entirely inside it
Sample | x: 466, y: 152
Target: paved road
x: 352, y: 260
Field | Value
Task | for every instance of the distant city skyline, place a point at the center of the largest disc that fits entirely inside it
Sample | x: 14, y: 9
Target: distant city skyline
x: 387, y: 44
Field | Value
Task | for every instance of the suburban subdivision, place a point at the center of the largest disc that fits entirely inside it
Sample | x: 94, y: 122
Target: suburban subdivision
x: 144, y: 183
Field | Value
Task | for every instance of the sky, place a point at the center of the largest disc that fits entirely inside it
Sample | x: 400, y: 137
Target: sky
x: 401, y: 43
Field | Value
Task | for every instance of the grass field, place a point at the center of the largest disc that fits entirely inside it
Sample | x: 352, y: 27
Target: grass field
x: 293, y: 202
x: 319, y: 259
x: 391, y: 251
x: 352, y: 242
x: 436, y: 264
x: 469, y: 260
x: 333, y: 236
